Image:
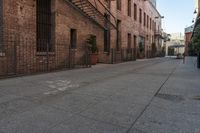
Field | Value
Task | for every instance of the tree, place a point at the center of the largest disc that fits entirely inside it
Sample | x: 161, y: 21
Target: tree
x: 92, y: 45
x: 195, y: 46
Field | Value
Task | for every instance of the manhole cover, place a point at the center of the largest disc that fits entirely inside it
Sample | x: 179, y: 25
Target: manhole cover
x: 174, y: 98
x: 196, y: 98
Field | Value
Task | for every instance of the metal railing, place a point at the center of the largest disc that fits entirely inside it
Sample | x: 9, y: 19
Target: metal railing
x: 20, y: 57
x: 123, y: 55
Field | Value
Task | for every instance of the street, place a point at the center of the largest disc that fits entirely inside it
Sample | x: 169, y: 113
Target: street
x: 160, y: 95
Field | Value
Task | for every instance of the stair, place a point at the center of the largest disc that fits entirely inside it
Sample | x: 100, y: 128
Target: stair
x: 95, y: 11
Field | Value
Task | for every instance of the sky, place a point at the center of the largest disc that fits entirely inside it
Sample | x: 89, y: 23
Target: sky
x: 178, y: 14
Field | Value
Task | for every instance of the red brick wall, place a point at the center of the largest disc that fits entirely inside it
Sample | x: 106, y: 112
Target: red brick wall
x: 20, y: 33
x: 134, y: 27
x: 20, y: 36
x: 188, y: 37
x: 67, y: 18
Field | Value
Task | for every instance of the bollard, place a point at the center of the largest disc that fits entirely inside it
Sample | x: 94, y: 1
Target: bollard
x: 198, y: 60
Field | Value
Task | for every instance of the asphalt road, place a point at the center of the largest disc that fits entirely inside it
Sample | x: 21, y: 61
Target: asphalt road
x: 159, y: 95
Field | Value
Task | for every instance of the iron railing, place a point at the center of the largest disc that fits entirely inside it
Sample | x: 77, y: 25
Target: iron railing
x: 20, y: 57
x: 123, y: 55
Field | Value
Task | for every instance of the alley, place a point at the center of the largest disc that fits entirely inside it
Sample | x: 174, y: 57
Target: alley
x: 160, y: 95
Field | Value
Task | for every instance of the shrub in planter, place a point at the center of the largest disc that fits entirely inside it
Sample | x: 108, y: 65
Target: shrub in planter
x: 141, y: 50
x: 92, y: 46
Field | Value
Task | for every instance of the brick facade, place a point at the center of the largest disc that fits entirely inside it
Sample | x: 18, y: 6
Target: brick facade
x: 67, y: 18
x: 188, y: 37
x: 132, y: 25
x: 20, y: 27
x: 1, y: 22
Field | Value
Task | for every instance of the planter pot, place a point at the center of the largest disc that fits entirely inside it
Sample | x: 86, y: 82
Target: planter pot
x: 93, y: 59
x: 141, y: 56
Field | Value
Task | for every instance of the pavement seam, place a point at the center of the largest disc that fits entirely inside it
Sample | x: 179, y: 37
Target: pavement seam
x: 146, y: 107
x: 172, y: 72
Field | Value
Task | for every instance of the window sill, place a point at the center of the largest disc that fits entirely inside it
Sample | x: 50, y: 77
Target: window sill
x: 105, y: 52
x: 73, y: 49
x: 2, y: 54
x: 45, y: 53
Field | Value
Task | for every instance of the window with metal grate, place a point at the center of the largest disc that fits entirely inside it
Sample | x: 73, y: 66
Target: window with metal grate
x: 44, y: 26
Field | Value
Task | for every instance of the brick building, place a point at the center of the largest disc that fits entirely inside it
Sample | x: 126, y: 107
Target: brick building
x: 139, y: 25
x: 188, y: 37
x: 44, y: 35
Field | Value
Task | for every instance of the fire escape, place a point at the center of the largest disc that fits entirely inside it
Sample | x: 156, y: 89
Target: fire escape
x: 96, y: 11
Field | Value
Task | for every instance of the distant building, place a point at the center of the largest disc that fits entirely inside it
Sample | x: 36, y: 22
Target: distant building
x: 175, y: 45
x: 188, y: 37
x: 166, y: 38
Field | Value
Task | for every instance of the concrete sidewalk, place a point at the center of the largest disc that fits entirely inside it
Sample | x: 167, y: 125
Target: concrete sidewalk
x: 153, y: 96
x: 176, y: 108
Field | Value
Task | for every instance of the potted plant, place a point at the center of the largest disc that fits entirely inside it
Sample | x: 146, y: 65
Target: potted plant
x: 141, y: 50
x: 92, y: 46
